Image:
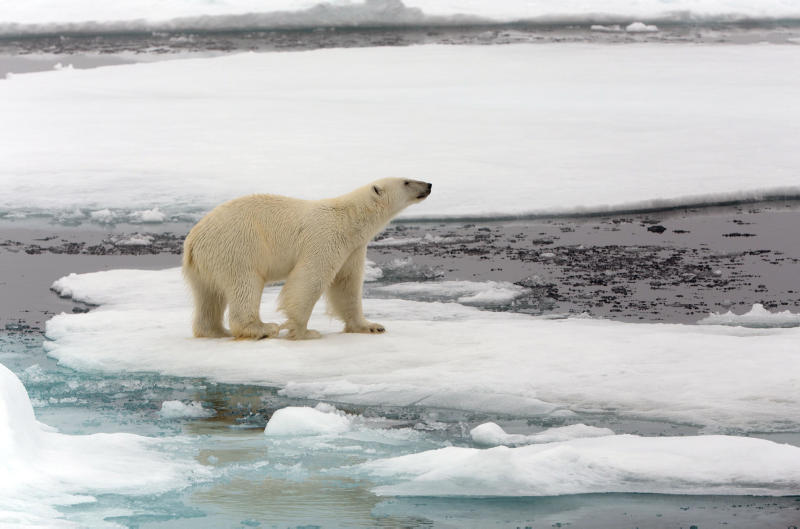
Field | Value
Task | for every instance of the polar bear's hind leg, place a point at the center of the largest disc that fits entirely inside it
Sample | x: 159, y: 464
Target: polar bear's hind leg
x: 209, y: 307
x: 245, y: 302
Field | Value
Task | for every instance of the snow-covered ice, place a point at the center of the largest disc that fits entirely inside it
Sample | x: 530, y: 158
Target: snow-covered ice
x: 43, y: 16
x: 757, y: 317
x: 712, y: 464
x: 42, y: 469
x: 449, y: 355
x: 491, y: 434
x: 499, y: 130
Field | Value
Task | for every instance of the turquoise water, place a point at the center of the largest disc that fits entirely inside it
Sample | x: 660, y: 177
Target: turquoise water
x: 260, y: 481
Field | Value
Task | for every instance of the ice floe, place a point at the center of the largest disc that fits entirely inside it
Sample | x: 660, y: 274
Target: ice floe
x: 712, y: 464
x: 448, y: 355
x: 277, y: 119
x: 756, y: 317
x: 42, y: 469
x: 491, y: 434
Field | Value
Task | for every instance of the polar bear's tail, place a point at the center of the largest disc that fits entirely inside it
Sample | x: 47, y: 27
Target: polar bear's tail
x: 188, y: 257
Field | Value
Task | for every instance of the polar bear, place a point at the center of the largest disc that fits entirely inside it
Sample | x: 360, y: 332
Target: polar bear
x: 317, y: 246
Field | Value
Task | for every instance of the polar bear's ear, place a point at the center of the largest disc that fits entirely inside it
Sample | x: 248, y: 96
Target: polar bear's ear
x: 377, y: 190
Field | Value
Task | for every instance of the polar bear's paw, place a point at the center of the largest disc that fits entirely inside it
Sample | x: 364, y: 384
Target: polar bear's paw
x: 257, y: 331
x: 365, y: 327
x: 306, y: 334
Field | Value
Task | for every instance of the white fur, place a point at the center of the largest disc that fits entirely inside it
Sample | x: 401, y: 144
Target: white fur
x: 317, y: 246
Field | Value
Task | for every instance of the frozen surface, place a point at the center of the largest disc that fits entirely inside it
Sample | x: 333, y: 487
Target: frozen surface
x: 491, y: 434
x: 618, y: 463
x: 448, y: 355
x: 498, y: 129
x: 466, y: 292
x: 39, y: 16
x: 756, y: 317
x: 42, y: 469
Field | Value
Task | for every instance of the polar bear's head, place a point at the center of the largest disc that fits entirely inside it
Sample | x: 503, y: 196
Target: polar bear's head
x: 396, y: 194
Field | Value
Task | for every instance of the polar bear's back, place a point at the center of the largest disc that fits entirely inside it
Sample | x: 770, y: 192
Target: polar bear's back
x: 255, y: 232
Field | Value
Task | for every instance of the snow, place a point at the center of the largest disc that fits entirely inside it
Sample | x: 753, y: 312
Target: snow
x: 466, y: 292
x: 42, y: 469
x: 175, y: 409
x: 491, y: 434
x: 42, y: 16
x: 711, y: 464
x: 721, y: 378
x: 756, y: 317
x: 499, y: 130
x: 301, y: 420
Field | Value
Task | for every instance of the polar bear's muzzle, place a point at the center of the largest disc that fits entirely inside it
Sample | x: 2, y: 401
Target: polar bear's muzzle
x: 423, y: 189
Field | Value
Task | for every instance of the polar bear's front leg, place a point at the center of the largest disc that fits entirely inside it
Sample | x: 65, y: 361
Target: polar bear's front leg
x: 344, y: 295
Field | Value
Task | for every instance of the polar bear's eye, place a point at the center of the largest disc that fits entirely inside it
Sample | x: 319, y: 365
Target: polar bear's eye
x: 377, y: 190
x: 407, y: 183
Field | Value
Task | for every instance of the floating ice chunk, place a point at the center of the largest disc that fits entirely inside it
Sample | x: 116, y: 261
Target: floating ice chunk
x: 59, y: 66
x: 756, y: 317
x: 640, y: 27
x: 41, y: 468
x: 175, y: 409
x: 607, y: 29
x: 20, y: 433
x: 466, y: 292
x: 405, y: 269
x: 711, y: 464
x: 135, y: 240
x: 302, y: 420
x: 372, y: 272
x: 70, y: 216
x: 491, y: 434
x: 103, y: 216
x: 154, y: 215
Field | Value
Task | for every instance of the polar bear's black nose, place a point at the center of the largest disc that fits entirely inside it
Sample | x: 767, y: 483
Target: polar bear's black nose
x: 429, y: 187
